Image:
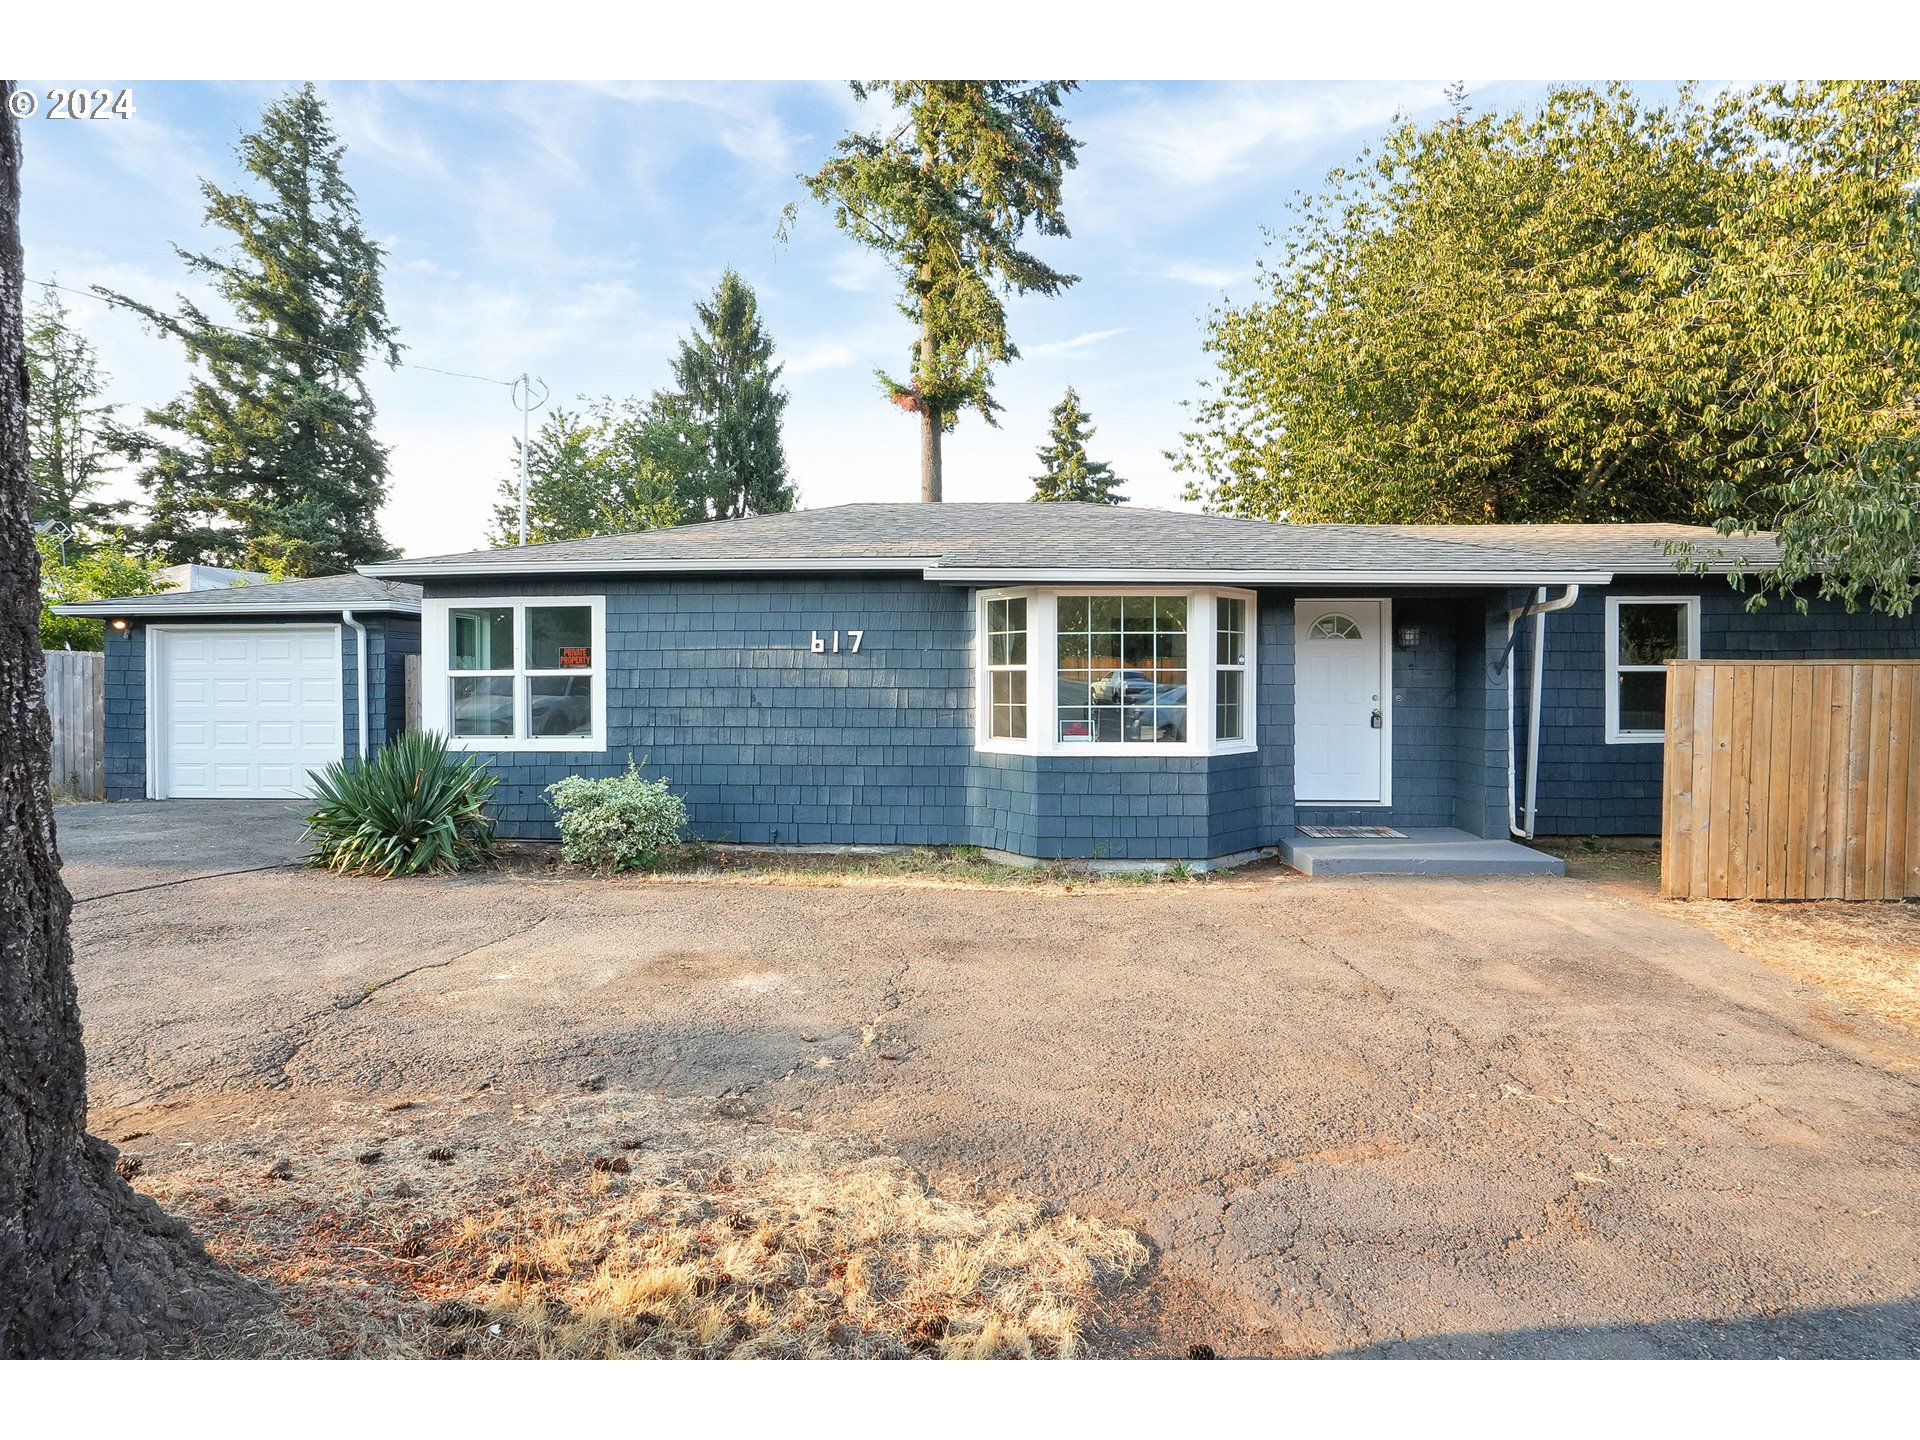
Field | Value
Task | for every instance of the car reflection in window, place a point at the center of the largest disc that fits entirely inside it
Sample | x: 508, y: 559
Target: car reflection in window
x: 561, y: 705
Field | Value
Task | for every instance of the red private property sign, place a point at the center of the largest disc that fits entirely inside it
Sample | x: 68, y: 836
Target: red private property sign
x: 576, y: 657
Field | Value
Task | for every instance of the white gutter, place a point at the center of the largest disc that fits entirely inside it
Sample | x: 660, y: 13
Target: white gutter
x: 99, y: 608
x: 360, y: 666
x: 1539, y: 609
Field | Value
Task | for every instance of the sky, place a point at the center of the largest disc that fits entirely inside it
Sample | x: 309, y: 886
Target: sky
x: 566, y: 231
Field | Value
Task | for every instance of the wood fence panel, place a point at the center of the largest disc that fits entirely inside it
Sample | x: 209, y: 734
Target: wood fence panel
x: 412, y: 665
x: 76, y: 703
x: 1790, y: 780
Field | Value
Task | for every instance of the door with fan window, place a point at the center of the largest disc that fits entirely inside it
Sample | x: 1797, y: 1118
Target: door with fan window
x: 1341, y: 716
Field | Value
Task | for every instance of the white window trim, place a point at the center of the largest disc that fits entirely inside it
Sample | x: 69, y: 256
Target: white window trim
x: 1691, y: 607
x: 1043, y: 689
x: 436, y: 680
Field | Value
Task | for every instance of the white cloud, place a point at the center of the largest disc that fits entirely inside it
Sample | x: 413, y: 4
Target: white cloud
x: 811, y: 356
x: 859, y: 270
x: 1211, y: 277
x: 1075, y: 346
x: 1216, y: 133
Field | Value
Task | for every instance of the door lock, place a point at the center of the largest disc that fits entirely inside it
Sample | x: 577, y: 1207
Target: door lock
x: 1376, y: 720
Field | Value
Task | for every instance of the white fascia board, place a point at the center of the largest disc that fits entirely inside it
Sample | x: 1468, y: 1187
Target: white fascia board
x: 1370, y: 578
x: 719, y: 565
x: 96, y: 609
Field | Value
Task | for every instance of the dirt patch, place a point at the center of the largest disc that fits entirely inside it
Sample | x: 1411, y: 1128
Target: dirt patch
x: 611, y: 1226
x: 1864, y: 954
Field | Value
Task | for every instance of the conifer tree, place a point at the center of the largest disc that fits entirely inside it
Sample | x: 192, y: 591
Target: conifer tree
x: 731, y: 390
x: 268, y: 459
x: 1069, y: 474
x: 69, y: 434
x: 945, y: 189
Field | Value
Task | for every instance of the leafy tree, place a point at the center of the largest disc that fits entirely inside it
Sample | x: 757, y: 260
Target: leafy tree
x: 1604, y: 310
x: 90, y: 1267
x: 1068, y: 473
x: 69, y: 434
x: 269, y: 454
x: 945, y: 188
x: 731, y: 392
x: 105, y: 571
x: 606, y: 468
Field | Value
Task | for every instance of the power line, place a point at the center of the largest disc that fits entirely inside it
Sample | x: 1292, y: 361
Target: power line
x: 284, y: 339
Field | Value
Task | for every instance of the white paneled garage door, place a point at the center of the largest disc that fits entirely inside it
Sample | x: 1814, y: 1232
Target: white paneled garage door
x: 243, y: 712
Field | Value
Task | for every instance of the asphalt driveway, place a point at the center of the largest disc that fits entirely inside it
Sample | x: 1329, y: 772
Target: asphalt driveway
x: 1407, y: 1116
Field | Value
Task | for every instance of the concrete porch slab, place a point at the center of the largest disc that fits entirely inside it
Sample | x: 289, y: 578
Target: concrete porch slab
x: 1436, y: 850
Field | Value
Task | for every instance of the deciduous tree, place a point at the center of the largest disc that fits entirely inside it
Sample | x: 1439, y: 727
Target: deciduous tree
x: 605, y: 468
x: 945, y: 187
x: 1601, y: 310
x: 270, y: 455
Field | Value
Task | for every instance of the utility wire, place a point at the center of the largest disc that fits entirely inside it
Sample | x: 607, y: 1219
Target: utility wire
x: 284, y: 340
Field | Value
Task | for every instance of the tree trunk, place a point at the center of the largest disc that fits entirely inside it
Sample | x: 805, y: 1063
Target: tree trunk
x: 87, y: 1267
x: 929, y: 453
x: 929, y: 414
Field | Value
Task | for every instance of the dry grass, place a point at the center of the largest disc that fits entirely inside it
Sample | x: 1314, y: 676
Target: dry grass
x: 1865, y: 955
x: 960, y: 866
x: 623, y: 1226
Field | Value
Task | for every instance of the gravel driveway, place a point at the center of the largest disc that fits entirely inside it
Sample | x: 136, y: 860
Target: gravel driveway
x: 1386, y: 1116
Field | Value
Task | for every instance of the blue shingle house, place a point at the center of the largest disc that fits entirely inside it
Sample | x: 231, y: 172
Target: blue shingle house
x: 1055, y: 681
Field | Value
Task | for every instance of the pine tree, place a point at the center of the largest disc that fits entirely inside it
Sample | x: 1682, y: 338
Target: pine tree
x: 1069, y: 474
x: 945, y: 190
x: 269, y: 456
x: 732, y: 392
x: 69, y: 436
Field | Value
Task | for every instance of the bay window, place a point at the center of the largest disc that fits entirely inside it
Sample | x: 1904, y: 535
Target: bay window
x: 1106, y: 671
x: 525, y: 673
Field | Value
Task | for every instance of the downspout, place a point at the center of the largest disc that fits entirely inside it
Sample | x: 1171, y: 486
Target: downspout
x: 1539, y: 610
x: 360, y: 672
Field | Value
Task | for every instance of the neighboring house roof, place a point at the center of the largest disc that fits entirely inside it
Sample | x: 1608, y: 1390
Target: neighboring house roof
x: 360, y: 593
x: 1022, y: 541
x: 209, y: 577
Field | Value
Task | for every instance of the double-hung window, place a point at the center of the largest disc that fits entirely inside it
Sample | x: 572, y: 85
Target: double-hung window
x: 1113, y: 672
x: 1643, y: 634
x: 517, y: 673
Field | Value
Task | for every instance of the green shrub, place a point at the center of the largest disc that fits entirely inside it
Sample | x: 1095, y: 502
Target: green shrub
x: 625, y: 822
x: 408, y: 809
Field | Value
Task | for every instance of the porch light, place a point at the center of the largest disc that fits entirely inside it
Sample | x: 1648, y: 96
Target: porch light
x: 1407, y: 637
x: 119, y: 624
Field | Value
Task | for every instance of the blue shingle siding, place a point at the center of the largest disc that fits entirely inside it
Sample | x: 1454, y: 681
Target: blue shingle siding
x: 125, y: 742
x: 712, y: 683
x: 1588, y: 787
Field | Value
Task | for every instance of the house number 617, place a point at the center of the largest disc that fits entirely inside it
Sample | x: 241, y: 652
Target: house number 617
x: 854, y: 637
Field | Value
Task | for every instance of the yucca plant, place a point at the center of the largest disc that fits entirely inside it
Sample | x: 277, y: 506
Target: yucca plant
x: 408, y: 809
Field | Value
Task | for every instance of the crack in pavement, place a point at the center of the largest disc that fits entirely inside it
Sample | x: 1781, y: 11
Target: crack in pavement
x: 344, y: 1003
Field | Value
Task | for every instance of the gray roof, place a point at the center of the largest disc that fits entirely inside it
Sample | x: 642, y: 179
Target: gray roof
x: 361, y: 593
x: 984, y: 543
x: 1623, y: 549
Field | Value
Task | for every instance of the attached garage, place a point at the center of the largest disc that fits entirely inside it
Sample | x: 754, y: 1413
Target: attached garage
x: 243, y: 712
x: 240, y: 693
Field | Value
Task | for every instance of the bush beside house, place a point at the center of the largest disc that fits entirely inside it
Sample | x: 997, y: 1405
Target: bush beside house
x: 625, y: 822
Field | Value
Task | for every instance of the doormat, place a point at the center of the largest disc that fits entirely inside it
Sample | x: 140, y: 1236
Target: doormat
x: 1352, y: 832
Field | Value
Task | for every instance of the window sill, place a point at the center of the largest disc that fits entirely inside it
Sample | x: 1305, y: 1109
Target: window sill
x: 563, y: 744
x: 1109, y: 749
x: 1638, y: 737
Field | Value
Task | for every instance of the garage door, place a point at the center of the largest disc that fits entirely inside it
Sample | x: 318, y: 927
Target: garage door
x: 245, y: 712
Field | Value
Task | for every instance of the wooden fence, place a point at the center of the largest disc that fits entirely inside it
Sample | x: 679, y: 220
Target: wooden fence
x: 76, y: 701
x: 411, y: 667
x: 1792, y: 780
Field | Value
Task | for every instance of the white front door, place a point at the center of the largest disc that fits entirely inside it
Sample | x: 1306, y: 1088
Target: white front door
x: 1341, y: 715
x: 244, y: 712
